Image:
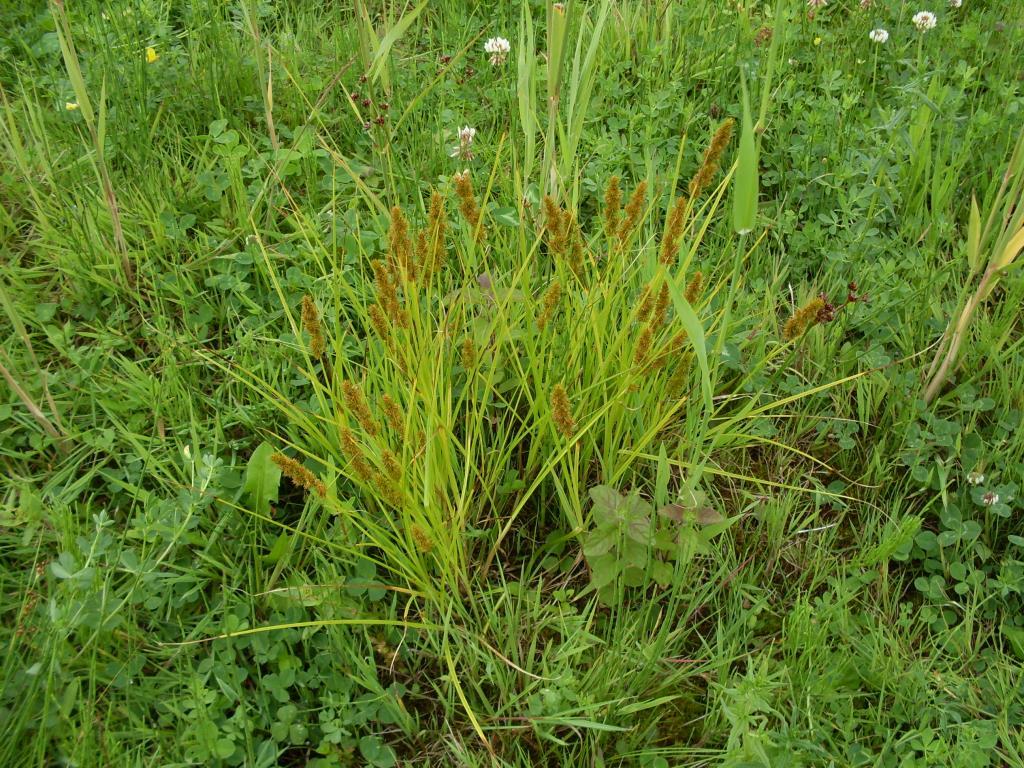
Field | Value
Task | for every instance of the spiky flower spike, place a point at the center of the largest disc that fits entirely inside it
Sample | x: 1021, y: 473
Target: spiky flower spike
x: 387, y: 292
x: 399, y: 245
x: 676, y: 382
x: 712, y: 157
x: 380, y: 324
x: 392, y: 468
x: 634, y: 209
x: 673, y: 231
x: 468, y: 353
x: 350, y: 448
x: 555, y: 222
x: 612, y: 207
x: 311, y: 322
x: 298, y: 474
x: 437, y: 225
x: 643, y: 344
x: 561, y: 411
x: 468, y: 206
x: 695, y: 288
x: 646, y: 303
x: 575, y: 255
x: 802, y: 319
x: 392, y: 414
x: 670, y: 351
x: 357, y: 407
x: 661, y: 306
x: 421, y: 537
x: 549, y: 304
x: 422, y: 258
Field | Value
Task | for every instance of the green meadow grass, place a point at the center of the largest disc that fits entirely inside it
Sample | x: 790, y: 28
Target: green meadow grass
x: 671, y: 418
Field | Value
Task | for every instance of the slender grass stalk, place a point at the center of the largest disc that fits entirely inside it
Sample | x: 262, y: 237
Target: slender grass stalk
x: 96, y: 125
x: 997, y: 246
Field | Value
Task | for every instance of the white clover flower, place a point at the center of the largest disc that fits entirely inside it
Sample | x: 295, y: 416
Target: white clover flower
x: 865, y: 4
x: 975, y: 478
x: 465, y: 149
x: 924, y: 20
x: 817, y: 3
x: 879, y: 35
x: 990, y: 499
x: 498, y: 48
x: 955, y: 3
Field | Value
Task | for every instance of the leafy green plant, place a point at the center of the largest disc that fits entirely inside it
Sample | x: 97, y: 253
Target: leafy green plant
x: 630, y: 546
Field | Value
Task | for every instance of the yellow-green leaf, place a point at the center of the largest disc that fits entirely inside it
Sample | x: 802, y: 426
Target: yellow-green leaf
x: 1012, y: 250
x: 974, y: 237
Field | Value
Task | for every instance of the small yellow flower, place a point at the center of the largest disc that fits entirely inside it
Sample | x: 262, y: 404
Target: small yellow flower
x: 151, y: 55
x: 70, y: 106
x: 817, y: 41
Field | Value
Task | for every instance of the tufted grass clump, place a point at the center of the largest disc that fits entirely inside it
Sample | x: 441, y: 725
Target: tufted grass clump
x: 500, y: 373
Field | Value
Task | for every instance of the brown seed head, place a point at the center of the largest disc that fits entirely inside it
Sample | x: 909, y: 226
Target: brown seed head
x: 311, y: 322
x: 634, y: 209
x: 468, y: 353
x: 661, y: 306
x: 391, y: 466
x: 673, y: 231
x: 712, y: 157
x: 298, y: 474
x: 646, y: 303
x: 379, y: 322
x: 350, y: 447
x: 804, y: 318
x: 575, y: 255
x: 399, y: 246
x: 437, y: 225
x: 561, y: 411
x: 387, y: 291
x: 392, y: 414
x: 422, y: 539
x: 681, y: 374
x: 549, y: 304
x: 468, y: 206
x: 555, y: 224
x: 695, y: 288
x: 643, y: 345
x: 612, y: 206
x: 355, y: 402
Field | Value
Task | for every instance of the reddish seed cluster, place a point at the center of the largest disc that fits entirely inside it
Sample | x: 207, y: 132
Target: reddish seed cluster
x: 366, y: 103
x: 828, y: 311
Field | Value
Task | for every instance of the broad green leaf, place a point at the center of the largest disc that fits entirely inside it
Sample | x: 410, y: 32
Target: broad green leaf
x: 607, y: 502
x: 280, y: 548
x: 633, y: 576
x: 262, y: 479
x: 603, y: 570
x: 599, y: 541
x: 661, y: 572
